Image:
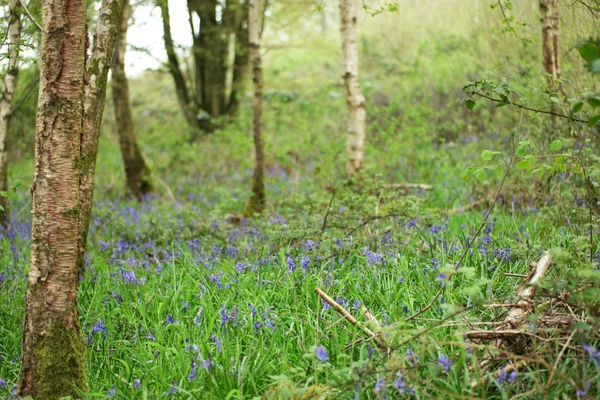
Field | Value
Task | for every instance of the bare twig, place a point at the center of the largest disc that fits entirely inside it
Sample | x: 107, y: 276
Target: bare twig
x: 342, y: 311
x: 406, y: 186
x: 327, y: 213
x: 30, y: 88
x: 526, y: 291
x: 30, y: 16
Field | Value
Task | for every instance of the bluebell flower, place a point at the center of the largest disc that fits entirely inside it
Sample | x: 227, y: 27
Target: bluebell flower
x: 380, y: 386
x: 208, y: 364
x: 321, y: 353
x: 111, y: 393
x: 99, y: 327
x: 137, y: 383
x: 435, y: 229
x: 218, y: 343
x: 594, y: 354
x: 444, y: 362
x: 356, y: 304
x: 399, y: 382
x: 193, y: 366
x: 583, y: 392
x: 512, y: 377
x: 2, y: 383
x: 171, y: 320
x: 172, y: 389
x: 305, y: 262
x: 129, y: 277
x: 291, y: 265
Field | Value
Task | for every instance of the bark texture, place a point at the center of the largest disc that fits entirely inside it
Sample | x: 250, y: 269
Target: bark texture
x: 355, y: 101
x: 70, y: 108
x: 97, y: 68
x: 549, y: 18
x: 203, y: 96
x: 256, y: 203
x: 53, y: 348
x: 8, y: 90
x: 139, y: 182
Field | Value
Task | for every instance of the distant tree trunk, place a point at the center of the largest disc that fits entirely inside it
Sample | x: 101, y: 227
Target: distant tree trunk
x: 139, y: 181
x: 53, y: 348
x: 10, y: 84
x: 550, y: 41
x: 70, y: 108
x: 256, y: 203
x: 355, y: 101
x: 203, y: 98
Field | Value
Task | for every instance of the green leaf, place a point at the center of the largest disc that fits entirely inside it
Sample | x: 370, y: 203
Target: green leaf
x: 594, y: 102
x: 554, y: 99
x: 16, y: 183
x: 521, y: 151
x: 522, y: 164
x: 487, y: 155
x: 501, y: 104
x: 480, y: 174
x: 470, y: 104
x: 576, y: 108
x: 594, y: 120
x: 556, y: 145
x: 589, y: 52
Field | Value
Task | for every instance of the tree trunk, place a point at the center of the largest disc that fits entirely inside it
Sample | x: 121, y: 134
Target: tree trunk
x: 186, y: 104
x: 240, y: 61
x: 139, y: 181
x: 95, y: 93
x: 53, y: 348
x: 10, y: 84
x: 550, y: 40
x: 355, y: 101
x: 256, y: 203
x: 70, y: 109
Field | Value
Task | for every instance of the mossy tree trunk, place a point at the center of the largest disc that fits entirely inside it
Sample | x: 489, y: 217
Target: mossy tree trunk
x: 355, y: 101
x: 256, y: 203
x: 70, y: 106
x: 10, y: 84
x: 549, y: 18
x: 53, y: 348
x: 139, y: 181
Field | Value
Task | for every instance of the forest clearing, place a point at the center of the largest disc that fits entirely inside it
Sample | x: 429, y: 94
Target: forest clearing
x: 299, y: 199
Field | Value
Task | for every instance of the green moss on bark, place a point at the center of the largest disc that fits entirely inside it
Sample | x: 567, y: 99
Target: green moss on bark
x: 60, y: 363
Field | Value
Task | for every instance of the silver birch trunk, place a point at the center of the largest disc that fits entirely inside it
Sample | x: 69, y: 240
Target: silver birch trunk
x: 8, y: 90
x: 355, y: 101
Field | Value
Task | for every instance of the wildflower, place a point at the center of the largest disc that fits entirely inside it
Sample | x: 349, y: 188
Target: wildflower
x: 129, y: 277
x: 502, y: 376
x: 137, y: 383
x: 372, y: 257
x: 583, y: 392
x: 172, y: 389
x: 356, y: 304
x: 290, y: 263
x: 399, y: 382
x: 512, y: 377
x: 305, y: 262
x: 207, y: 364
x: 194, y: 366
x: 111, y: 393
x: 198, y: 317
x: 309, y: 245
x: 241, y: 267
x: 99, y: 327
x: 380, y: 386
x: 594, y: 354
x: 321, y: 353
x: 2, y: 383
x: 171, y: 320
x: 411, y: 357
x: 444, y: 362
x: 218, y: 343
x: 400, y: 279
x: 435, y: 229
x: 411, y: 223
x: 185, y: 305
x: 441, y: 279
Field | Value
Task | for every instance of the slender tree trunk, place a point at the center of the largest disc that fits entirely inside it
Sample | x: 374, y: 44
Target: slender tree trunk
x: 355, y: 101
x: 256, y: 203
x: 186, y: 104
x: 139, y: 181
x: 97, y: 68
x: 70, y: 108
x: 240, y: 61
x: 10, y: 84
x: 53, y: 348
x: 550, y: 41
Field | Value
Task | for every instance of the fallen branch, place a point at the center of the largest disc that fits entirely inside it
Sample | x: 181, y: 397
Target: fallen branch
x: 527, y: 289
x: 506, y: 370
x: 342, y: 311
x: 406, y: 186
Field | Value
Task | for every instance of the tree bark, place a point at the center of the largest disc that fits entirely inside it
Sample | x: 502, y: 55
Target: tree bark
x: 550, y: 41
x: 187, y: 106
x: 256, y: 203
x: 10, y: 84
x: 53, y: 348
x: 97, y: 68
x: 241, y: 57
x: 137, y: 173
x: 70, y: 109
x: 355, y: 101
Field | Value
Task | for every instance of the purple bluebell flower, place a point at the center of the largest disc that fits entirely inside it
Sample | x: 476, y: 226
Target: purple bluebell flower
x: 170, y: 320
x: 305, y: 262
x: 380, y: 386
x: 512, y: 377
x: 137, y: 383
x: 399, y: 382
x: 112, y: 392
x: 129, y: 277
x: 291, y: 265
x: 444, y: 362
x: 356, y: 305
x: 218, y: 343
x: 435, y: 229
x: 99, y: 327
x: 411, y: 357
x: 172, y: 389
x: 193, y: 365
x: 321, y: 353
x: 207, y: 364
x: 2, y: 383
x: 583, y: 392
x: 198, y: 317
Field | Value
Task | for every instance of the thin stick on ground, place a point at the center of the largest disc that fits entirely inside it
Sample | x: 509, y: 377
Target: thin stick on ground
x: 342, y: 311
